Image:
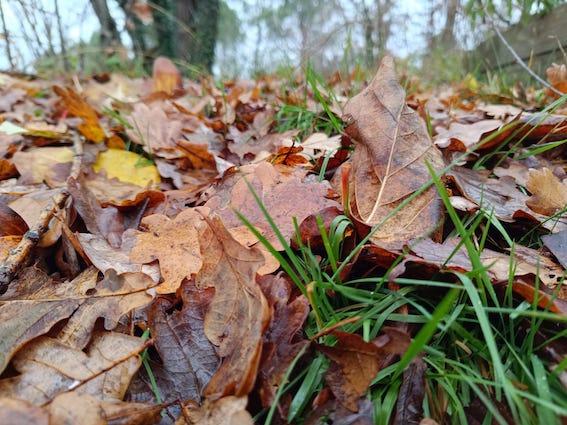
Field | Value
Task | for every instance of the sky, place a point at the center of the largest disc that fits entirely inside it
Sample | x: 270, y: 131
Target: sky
x: 80, y: 22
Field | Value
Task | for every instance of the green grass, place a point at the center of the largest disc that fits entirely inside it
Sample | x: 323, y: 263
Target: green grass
x: 481, y: 347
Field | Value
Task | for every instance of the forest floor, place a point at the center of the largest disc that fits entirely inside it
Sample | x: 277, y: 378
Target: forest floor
x: 282, y: 250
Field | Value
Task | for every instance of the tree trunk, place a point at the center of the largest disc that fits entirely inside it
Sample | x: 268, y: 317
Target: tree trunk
x: 198, y: 45
x: 109, y: 35
x: 7, y: 36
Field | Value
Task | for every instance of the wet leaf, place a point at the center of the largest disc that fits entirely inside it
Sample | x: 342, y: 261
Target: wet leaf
x: 189, y: 359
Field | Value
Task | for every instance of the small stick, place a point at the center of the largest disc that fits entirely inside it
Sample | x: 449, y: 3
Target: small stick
x: 20, y: 257
x: 517, y: 58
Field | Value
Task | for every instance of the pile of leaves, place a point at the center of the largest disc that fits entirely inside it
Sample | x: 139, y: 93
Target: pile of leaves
x: 219, y: 239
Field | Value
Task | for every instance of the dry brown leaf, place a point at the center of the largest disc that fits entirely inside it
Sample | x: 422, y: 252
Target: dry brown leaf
x: 51, y: 164
x: 238, y: 314
x: 389, y: 161
x: 34, y: 303
x: 549, y: 195
x: 84, y: 409
x: 166, y: 77
x: 557, y: 77
x: 20, y: 412
x: 285, y: 192
x: 500, y: 196
x: 175, y: 243
x: 225, y: 411
x: 48, y: 368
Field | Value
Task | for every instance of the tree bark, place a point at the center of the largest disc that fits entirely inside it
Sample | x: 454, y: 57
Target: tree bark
x: 7, y: 38
x: 109, y: 35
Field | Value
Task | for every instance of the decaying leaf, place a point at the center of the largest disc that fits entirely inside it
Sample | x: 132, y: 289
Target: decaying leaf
x: 355, y: 362
x: 189, y: 359
x: 389, y: 162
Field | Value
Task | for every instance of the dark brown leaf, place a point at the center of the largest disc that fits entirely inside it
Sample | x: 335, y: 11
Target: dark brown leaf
x: 409, y: 408
x: 283, y: 339
x: 188, y: 358
x: 238, y: 314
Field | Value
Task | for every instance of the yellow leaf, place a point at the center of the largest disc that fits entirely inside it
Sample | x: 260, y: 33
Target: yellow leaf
x: 127, y: 167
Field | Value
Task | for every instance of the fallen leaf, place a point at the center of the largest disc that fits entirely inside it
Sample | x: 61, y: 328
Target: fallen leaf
x: 355, y: 362
x: 549, y: 195
x: 51, y: 164
x: 34, y: 303
x: 20, y: 412
x: 166, y: 77
x: 74, y: 408
x: 48, y: 368
x: 189, y: 359
x: 77, y: 106
x: 557, y: 244
x: 282, y: 340
x: 285, y: 192
x: 127, y: 167
x: 175, y: 243
x: 409, y: 407
x: 392, y: 148
x: 228, y: 410
x: 500, y: 197
x: 238, y: 314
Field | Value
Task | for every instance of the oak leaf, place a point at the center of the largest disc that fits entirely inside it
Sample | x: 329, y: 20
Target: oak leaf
x: 392, y: 148
x: 549, y: 195
x: 175, y: 243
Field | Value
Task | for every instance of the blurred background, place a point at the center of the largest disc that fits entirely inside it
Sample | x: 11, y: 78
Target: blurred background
x: 438, y: 40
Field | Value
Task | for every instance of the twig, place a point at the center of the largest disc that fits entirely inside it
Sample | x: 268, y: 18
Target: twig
x: 21, y: 256
x: 517, y: 58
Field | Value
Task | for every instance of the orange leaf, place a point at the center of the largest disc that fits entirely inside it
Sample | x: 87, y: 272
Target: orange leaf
x: 77, y: 106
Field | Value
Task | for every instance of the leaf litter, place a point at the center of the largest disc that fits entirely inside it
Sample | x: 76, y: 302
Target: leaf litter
x: 120, y: 216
